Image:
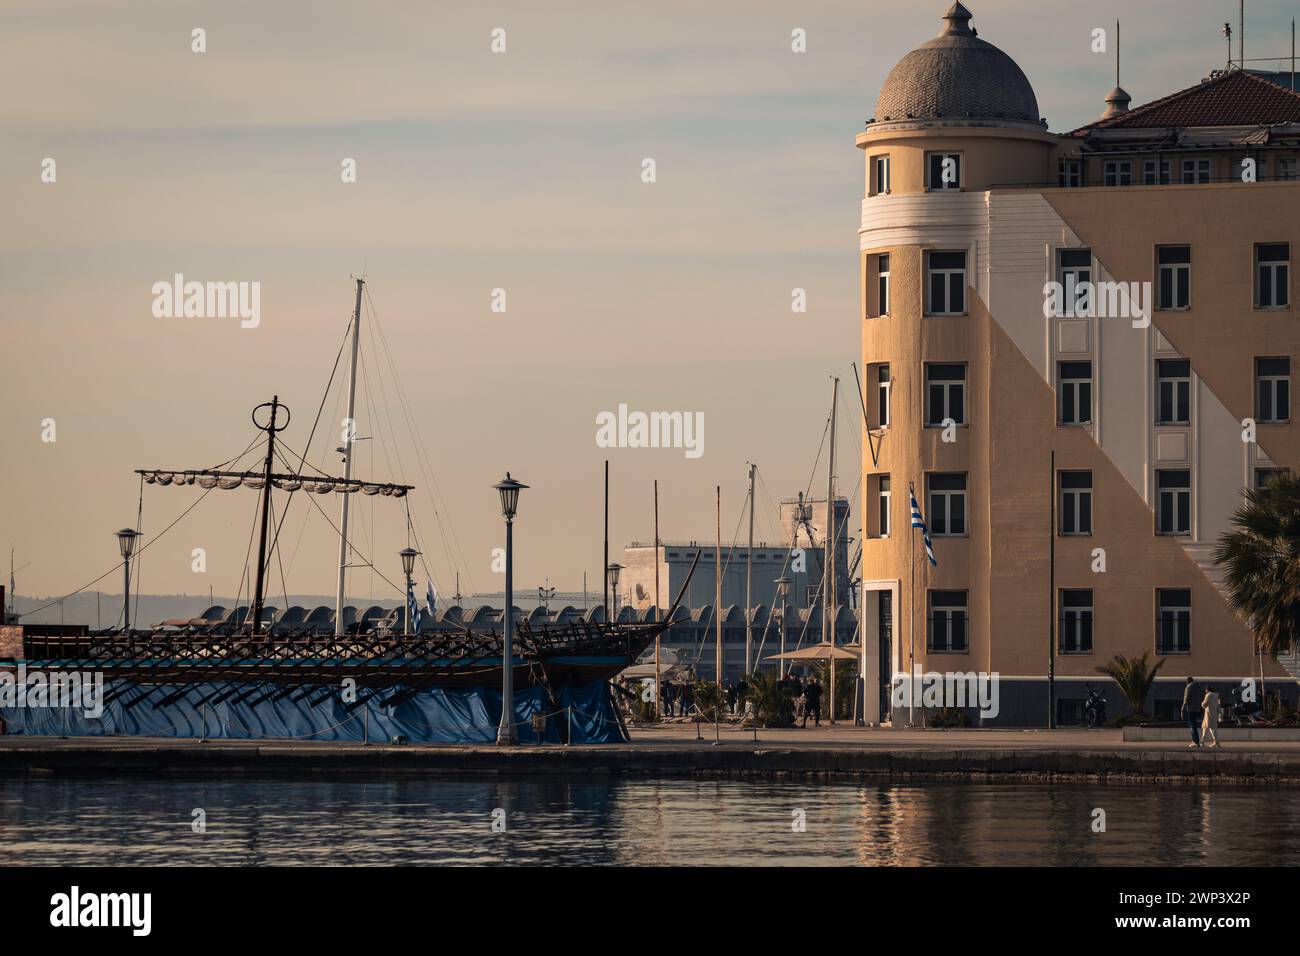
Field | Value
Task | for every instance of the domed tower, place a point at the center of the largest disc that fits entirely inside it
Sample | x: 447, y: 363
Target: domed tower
x: 1076, y: 462
x: 956, y: 116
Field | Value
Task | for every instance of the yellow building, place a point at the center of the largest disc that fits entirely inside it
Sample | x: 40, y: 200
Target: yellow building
x: 1068, y: 340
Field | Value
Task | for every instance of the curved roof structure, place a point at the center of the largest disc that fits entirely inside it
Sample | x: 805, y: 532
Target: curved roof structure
x: 957, y: 76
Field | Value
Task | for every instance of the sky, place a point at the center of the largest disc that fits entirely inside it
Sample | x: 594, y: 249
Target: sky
x: 476, y: 170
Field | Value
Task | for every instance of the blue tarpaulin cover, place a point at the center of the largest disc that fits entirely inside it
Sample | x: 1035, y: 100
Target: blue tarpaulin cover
x: 434, y: 715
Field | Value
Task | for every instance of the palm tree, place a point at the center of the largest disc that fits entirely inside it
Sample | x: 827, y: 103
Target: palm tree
x: 1134, y: 677
x: 772, y: 705
x: 1261, y: 563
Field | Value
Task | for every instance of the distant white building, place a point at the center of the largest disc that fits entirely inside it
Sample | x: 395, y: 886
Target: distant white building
x: 798, y: 557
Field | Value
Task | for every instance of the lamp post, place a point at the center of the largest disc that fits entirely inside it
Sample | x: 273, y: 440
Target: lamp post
x: 783, y: 589
x: 126, y: 544
x: 408, y: 555
x: 611, y: 573
x: 509, y: 490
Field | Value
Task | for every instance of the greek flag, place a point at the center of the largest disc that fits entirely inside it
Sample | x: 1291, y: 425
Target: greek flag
x: 412, y: 610
x: 919, y: 522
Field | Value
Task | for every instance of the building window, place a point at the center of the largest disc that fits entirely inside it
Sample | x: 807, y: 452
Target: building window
x: 1073, y: 269
x: 943, y: 171
x: 1272, y: 275
x: 1273, y: 389
x: 1173, y: 392
x: 1155, y: 172
x: 1076, y: 622
x: 881, y: 173
x: 1265, y: 475
x: 1196, y: 171
x: 882, y: 505
x: 1174, y: 289
x: 947, y: 631
x: 883, y: 386
x: 1118, y: 172
x: 882, y: 284
x: 947, y: 505
x: 1174, y: 511
x: 945, y: 394
x: 1070, y: 173
x: 1076, y: 502
x: 945, y: 283
x: 1288, y: 168
x: 1075, y: 390
x: 1174, y: 621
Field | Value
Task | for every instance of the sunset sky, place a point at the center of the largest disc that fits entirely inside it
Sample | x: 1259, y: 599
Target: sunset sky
x: 519, y: 170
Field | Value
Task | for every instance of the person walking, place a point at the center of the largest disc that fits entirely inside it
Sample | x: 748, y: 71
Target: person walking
x: 1190, y: 712
x: 1210, y: 722
x: 813, y: 691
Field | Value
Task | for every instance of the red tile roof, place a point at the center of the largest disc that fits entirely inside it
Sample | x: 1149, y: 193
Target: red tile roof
x: 1232, y: 99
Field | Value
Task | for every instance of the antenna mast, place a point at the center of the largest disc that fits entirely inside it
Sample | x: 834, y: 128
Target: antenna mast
x: 1117, y: 52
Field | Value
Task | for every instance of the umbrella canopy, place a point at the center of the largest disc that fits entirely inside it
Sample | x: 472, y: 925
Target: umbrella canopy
x: 667, y: 657
x: 825, y: 651
x: 667, y: 671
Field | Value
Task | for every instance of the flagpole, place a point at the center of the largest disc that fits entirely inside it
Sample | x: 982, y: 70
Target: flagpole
x: 911, y: 612
x: 1051, y: 591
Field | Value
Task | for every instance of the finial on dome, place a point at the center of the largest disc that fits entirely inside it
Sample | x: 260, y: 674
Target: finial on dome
x: 958, y: 18
x: 1117, y: 101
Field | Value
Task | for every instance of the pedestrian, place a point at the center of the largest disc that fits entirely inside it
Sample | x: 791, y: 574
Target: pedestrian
x: 813, y: 691
x: 1210, y: 722
x: 731, y: 697
x: 1190, y: 712
x: 686, y: 699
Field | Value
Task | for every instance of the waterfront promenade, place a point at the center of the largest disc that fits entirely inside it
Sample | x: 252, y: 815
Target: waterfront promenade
x: 675, y: 750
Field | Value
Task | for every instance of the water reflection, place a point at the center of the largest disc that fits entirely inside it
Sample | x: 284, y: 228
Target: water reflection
x: 665, y: 822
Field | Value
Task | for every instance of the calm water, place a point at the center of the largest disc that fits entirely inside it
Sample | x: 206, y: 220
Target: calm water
x: 112, y: 821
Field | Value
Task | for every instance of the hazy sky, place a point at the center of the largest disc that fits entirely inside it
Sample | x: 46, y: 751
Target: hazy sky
x: 518, y: 170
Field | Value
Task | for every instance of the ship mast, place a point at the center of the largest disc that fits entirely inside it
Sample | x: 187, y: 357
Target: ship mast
x: 270, y: 430
x: 349, y: 439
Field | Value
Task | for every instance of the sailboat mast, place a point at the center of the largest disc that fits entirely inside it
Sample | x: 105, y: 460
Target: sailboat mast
x: 349, y: 439
x: 749, y: 580
x: 828, y: 564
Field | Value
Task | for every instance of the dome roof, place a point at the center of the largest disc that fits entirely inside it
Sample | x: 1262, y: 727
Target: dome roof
x: 957, y: 76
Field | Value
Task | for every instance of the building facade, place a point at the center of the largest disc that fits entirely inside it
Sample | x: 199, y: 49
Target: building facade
x: 1077, y: 351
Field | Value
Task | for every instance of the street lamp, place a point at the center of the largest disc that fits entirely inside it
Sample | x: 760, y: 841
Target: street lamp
x: 509, y: 490
x: 611, y: 573
x: 126, y: 544
x: 782, y: 589
x: 408, y: 555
